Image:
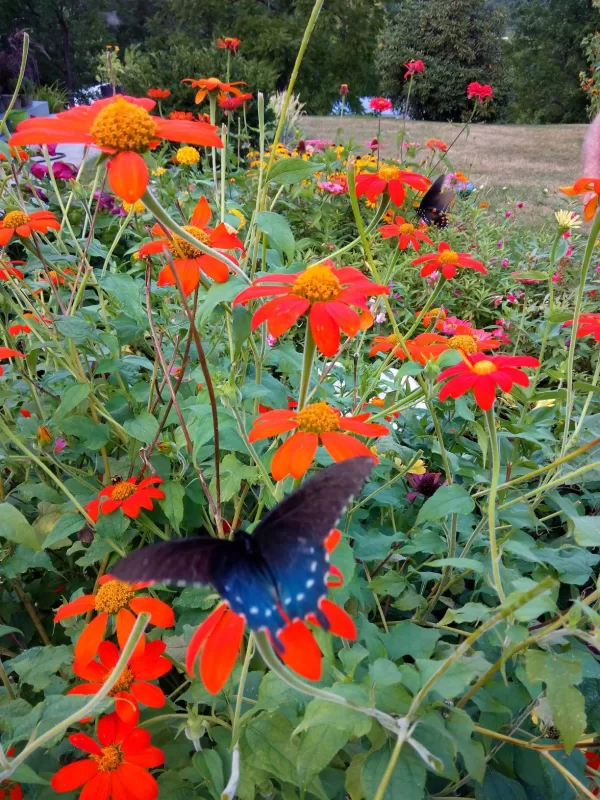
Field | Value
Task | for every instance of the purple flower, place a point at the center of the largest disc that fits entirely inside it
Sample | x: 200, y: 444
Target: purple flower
x: 105, y: 200
x: 39, y: 170
x: 508, y: 214
x: 500, y: 244
x: 63, y: 171
x: 59, y: 444
x: 426, y: 484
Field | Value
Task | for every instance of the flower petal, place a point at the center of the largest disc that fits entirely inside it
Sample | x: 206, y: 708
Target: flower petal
x: 362, y: 428
x: 149, y: 758
x: 264, y: 430
x: 148, y: 694
x: 201, y: 634
x: 85, y: 743
x: 214, y: 268
x: 74, y: 775
x: 128, y: 176
x: 136, y: 781
x: 200, y: 133
x: 485, y: 392
x: 325, y: 330
x: 125, y: 623
x: 340, y: 446
x: 98, y: 788
x: 280, y: 314
x: 346, y: 318
x: 202, y: 213
x: 87, y: 645
x: 294, y: 456
x: 81, y: 605
x: 160, y: 613
x: 221, y: 651
x: 300, y: 650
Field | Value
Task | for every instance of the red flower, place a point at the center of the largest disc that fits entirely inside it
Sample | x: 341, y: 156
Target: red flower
x: 380, y: 104
x: 24, y: 413
x: 21, y: 224
x: 22, y: 155
x: 344, y: 89
x: 187, y: 115
x: 190, y: 261
x: 127, y: 495
x: 231, y: 103
x: 213, y: 86
x: 391, y: 178
x: 585, y: 186
x: 15, y: 330
x: 315, y: 424
x: 7, y: 271
x: 118, y: 764
x: 228, y: 43
x: 436, y: 144
x: 422, y: 348
x: 592, y: 758
x: 132, y: 687
x: 220, y: 635
x: 8, y: 352
x: 413, y: 67
x: 113, y: 598
x: 122, y: 127
x: 446, y: 261
x: 483, y: 374
x: 587, y: 325
x: 159, y: 94
x: 323, y: 292
x: 482, y: 91
x: 8, y: 789
x: 406, y: 232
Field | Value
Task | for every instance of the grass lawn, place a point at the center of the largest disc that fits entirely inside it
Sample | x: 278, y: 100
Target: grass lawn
x: 524, y: 159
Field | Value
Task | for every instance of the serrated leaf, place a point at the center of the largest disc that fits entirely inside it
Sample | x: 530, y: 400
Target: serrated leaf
x: 24, y: 774
x: 112, y: 526
x: 93, y: 434
x: 71, y: 398
x: 63, y: 528
x: 384, y: 672
x: 447, y: 500
x: 172, y: 505
x: 38, y: 665
x: 278, y: 232
x: 320, y: 712
x: 143, y: 427
x: 458, y: 563
x: 233, y: 474
x: 270, y: 740
x: 15, y: 528
x: 220, y: 293
x: 74, y: 327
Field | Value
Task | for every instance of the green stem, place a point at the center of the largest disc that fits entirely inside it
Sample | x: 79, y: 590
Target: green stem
x: 19, y: 82
x: 589, y: 250
x: 235, y: 732
x: 492, y: 499
x: 307, y: 364
x: 223, y: 169
x: 427, y: 306
x: 212, y: 102
x: 389, y: 770
x: 551, y: 484
x: 86, y: 711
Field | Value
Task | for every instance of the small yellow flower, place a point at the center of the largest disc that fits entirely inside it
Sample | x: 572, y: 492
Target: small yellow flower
x: 138, y: 207
x: 373, y: 449
x: 44, y: 435
x: 187, y: 155
x: 339, y: 151
x: 237, y: 213
x: 117, y: 48
x: 545, y: 404
x: 418, y: 468
x: 566, y: 220
x: 158, y: 172
x: 136, y: 256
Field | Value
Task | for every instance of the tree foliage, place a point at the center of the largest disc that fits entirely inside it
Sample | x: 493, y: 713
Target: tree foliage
x: 459, y: 41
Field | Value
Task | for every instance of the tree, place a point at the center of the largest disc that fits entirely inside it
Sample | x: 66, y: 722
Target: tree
x: 546, y: 55
x: 459, y: 41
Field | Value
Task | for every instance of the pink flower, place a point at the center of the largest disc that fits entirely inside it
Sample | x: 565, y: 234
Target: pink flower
x: 598, y: 268
x: 61, y: 170
x: 332, y: 188
x: 500, y: 244
x: 497, y: 300
x: 508, y: 214
x: 511, y: 297
x: 271, y: 340
x: 59, y: 444
x: 519, y: 205
x: 505, y: 262
x: 556, y: 277
x: 372, y: 143
x: 413, y: 67
x: 569, y: 252
x: 380, y: 104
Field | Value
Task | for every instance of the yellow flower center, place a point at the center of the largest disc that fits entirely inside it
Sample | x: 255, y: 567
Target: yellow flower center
x: 124, y: 126
x: 484, y: 367
x: 122, y: 490
x: 376, y: 401
x: 138, y: 207
x: 388, y: 172
x: 187, y: 250
x: 317, y: 284
x: 318, y: 418
x: 406, y: 228
x: 448, y: 257
x: 113, y: 596
x: 110, y: 759
x: 392, y: 339
x: 14, y: 219
x: 463, y: 342
x: 124, y: 681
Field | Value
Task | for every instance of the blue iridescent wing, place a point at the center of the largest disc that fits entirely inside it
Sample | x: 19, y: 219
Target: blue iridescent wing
x: 291, y: 538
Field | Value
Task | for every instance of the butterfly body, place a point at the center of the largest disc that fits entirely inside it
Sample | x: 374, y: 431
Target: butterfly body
x: 276, y: 575
x: 435, y: 203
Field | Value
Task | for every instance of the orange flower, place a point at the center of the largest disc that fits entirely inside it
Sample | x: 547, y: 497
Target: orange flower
x: 436, y: 315
x: 391, y: 178
x: 228, y: 43
x: 44, y: 435
x: 585, y: 186
x: 422, y: 348
x: 122, y: 127
x: 219, y: 637
x: 8, y: 271
x: 8, y: 352
x: 406, y: 232
x: 159, y: 94
x: 22, y: 155
x: 115, y: 598
x: 127, y: 495
x: 317, y: 423
x: 214, y: 87
x: 587, y: 325
x: 231, y: 103
x: 187, y: 115
x: 118, y: 764
x: 323, y: 292
x: 483, y: 374
x: 436, y: 144
x: 23, y: 224
x: 190, y: 261
x: 132, y: 687
x: 446, y: 261
x: 380, y: 403
x: 8, y: 789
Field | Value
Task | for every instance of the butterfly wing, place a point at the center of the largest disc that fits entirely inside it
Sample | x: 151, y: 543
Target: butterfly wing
x: 291, y: 537
x: 435, y: 203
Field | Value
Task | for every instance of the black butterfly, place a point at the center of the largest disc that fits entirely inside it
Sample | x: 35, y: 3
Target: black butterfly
x: 435, y: 203
x: 274, y: 576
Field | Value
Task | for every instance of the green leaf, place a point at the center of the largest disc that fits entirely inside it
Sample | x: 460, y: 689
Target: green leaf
x: 447, y: 500
x: 384, y: 672
x: 24, y: 774
x: 320, y: 712
x: 38, y: 665
x: 408, y: 639
x: 458, y: 563
x: 210, y: 766
x: 274, y: 693
x: 15, y: 528
x: 317, y: 748
x: 220, y: 293
x: 233, y: 474
x: 4, y: 629
x: 143, y: 428
x: 407, y: 780
x: 457, y: 677
x: 499, y: 787
x: 112, y: 526
x: 270, y: 740
x: 411, y: 368
x: 74, y: 328
x: 482, y: 439
x: 560, y: 673
x: 172, y: 505
x: 292, y: 170
x: 71, y: 398
x: 63, y: 528
x: 278, y: 231
x: 241, y: 325
x: 93, y: 434
x: 532, y: 275
x: 586, y: 531
x: 126, y: 291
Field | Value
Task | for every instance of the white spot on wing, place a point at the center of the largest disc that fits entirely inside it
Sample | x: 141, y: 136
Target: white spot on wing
x: 313, y: 566
x: 310, y: 583
x: 299, y: 597
x: 253, y: 610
